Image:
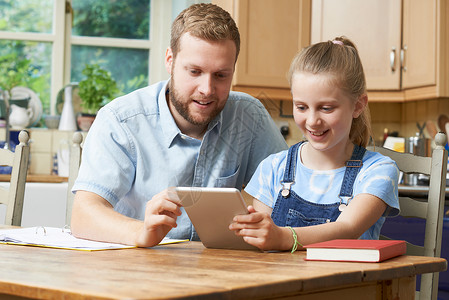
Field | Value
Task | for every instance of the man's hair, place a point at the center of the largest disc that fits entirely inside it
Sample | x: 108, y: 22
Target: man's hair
x: 205, y: 21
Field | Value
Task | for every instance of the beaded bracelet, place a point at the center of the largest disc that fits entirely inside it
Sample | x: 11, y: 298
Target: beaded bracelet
x: 295, y: 240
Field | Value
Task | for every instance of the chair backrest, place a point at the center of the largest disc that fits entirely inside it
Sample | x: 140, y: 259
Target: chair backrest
x: 13, y: 196
x: 431, y: 210
x: 74, y: 164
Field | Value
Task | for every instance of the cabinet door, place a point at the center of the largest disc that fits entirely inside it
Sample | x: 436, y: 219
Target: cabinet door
x: 419, y: 43
x: 375, y: 28
x: 271, y: 32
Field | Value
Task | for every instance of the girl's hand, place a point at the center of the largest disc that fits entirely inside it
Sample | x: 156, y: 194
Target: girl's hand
x: 258, y: 229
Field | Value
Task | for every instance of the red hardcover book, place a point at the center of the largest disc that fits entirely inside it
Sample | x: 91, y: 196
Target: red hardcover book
x: 355, y: 250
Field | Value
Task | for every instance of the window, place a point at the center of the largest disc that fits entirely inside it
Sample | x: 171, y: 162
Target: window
x: 114, y: 34
x: 26, y: 31
x: 128, y: 38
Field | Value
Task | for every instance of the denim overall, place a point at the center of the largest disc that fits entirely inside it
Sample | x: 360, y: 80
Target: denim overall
x: 292, y: 210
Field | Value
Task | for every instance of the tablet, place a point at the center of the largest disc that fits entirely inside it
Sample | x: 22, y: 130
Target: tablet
x: 211, y: 210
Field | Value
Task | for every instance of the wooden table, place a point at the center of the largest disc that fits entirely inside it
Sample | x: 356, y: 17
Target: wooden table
x: 188, y: 270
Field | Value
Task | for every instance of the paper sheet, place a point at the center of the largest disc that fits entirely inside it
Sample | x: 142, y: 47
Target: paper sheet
x: 59, y: 238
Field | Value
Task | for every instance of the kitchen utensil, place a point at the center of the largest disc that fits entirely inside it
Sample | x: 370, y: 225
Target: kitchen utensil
x: 442, y: 121
x: 421, y: 129
x: 52, y: 122
x: 35, y: 103
x: 20, y: 117
x: 431, y: 129
x: 417, y: 146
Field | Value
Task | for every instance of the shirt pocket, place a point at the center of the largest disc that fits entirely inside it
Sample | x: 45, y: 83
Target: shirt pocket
x: 298, y: 219
x: 228, y: 181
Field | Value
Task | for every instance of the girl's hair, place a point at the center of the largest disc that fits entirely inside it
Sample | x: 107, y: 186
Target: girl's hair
x: 205, y: 21
x: 339, y: 59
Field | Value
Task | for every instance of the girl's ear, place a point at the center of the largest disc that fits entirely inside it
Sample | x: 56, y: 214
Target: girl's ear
x: 360, y: 106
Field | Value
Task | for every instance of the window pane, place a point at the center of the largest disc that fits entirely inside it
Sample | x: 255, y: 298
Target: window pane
x: 39, y: 77
x: 119, y: 19
x: 26, y: 15
x: 128, y: 67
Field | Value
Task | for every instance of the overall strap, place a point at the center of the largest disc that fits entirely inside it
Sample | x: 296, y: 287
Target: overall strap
x: 353, y: 167
x: 290, y: 169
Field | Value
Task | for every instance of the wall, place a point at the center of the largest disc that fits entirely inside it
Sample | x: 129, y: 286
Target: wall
x: 399, y: 117
x: 403, y: 117
x: 44, y: 145
x: 282, y: 114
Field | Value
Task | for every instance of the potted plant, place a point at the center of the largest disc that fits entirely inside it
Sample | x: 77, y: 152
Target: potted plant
x: 14, y: 71
x: 95, y: 90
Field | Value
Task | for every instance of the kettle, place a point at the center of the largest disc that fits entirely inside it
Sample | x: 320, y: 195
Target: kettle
x: 20, y: 117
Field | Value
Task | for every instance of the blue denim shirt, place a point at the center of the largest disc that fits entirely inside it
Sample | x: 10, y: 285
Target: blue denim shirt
x: 135, y: 150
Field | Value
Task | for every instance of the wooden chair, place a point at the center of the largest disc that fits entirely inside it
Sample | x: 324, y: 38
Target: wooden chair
x: 431, y: 210
x: 74, y: 164
x: 13, y: 196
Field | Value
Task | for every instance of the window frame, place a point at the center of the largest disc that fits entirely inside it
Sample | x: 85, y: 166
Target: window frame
x: 62, y: 40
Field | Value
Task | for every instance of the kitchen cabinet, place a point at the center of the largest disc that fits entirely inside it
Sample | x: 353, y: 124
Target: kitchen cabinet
x: 403, y: 45
x: 271, y: 33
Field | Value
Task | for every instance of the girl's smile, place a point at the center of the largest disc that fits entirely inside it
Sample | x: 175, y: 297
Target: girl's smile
x: 324, y: 113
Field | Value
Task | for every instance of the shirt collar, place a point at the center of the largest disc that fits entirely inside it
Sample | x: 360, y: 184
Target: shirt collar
x: 216, y: 122
x: 168, y: 124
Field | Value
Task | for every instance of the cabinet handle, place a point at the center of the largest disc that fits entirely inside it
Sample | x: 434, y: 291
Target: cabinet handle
x: 393, y: 59
x: 403, y: 67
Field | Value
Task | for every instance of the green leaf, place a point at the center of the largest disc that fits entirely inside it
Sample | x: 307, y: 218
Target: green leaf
x: 97, y: 88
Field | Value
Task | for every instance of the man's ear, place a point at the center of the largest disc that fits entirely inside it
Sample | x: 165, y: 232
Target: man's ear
x: 360, y: 105
x: 169, y: 60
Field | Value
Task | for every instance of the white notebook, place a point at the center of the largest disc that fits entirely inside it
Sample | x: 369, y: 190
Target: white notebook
x: 59, y: 238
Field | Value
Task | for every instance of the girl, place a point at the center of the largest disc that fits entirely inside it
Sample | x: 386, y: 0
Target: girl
x: 328, y: 186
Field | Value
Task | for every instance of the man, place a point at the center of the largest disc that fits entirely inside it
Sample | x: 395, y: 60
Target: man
x: 189, y: 131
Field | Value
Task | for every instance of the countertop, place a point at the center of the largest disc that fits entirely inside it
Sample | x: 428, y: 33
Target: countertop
x: 37, y: 178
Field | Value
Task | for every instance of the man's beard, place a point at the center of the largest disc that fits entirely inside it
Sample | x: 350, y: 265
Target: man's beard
x: 182, y: 107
